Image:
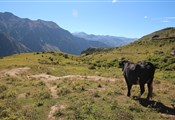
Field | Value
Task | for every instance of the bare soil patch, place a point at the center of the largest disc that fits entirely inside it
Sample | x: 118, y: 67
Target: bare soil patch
x: 13, y: 72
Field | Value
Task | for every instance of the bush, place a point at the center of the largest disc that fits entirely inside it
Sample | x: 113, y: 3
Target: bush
x: 45, y: 95
x: 66, y: 56
x: 3, y: 88
x: 10, y: 110
x: 105, y: 64
x: 58, y: 113
x: 166, y: 63
x: 63, y: 91
x: 92, y: 67
x: 11, y: 94
x: 39, y: 103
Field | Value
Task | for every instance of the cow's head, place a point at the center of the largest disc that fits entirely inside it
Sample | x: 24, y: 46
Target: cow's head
x: 123, y: 63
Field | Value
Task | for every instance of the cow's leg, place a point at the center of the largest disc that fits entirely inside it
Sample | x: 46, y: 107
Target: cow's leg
x: 129, y: 89
x: 142, y: 90
x: 150, y: 90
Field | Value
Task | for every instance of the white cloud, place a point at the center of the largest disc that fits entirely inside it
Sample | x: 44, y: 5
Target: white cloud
x: 145, y: 17
x: 74, y: 13
x: 114, y: 1
x: 165, y: 21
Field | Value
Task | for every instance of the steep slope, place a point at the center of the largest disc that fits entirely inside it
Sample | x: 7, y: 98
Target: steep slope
x: 10, y: 46
x: 112, y: 41
x: 42, y: 35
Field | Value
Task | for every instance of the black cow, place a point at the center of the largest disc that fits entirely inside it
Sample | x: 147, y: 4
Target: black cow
x: 139, y: 73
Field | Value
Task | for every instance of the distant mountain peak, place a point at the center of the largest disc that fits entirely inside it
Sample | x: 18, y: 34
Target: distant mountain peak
x: 26, y: 35
x: 8, y: 15
x: 112, y: 41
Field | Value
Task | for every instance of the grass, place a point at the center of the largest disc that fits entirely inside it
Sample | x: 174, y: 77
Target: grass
x: 28, y: 98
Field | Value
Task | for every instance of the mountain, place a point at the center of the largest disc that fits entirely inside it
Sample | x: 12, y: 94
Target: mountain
x: 10, y: 46
x: 112, y: 41
x: 40, y: 35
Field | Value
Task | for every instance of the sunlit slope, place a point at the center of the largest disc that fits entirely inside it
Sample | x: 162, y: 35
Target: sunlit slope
x: 160, y: 51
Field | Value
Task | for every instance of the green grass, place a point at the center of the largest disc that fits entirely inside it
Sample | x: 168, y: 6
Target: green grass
x: 29, y: 98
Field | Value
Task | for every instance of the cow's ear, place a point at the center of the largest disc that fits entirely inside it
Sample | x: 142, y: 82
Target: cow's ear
x: 123, y: 64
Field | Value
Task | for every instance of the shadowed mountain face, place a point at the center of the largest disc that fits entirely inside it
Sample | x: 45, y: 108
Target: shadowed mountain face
x: 10, y: 46
x: 40, y: 35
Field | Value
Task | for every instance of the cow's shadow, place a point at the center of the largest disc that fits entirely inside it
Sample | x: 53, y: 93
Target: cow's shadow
x: 157, y: 106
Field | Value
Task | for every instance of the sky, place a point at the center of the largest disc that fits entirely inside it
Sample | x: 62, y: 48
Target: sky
x: 126, y: 18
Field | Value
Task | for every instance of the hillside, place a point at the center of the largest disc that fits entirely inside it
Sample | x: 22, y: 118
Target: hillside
x: 55, y: 85
x: 10, y: 46
x: 164, y: 34
x: 144, y: 49
x: 40, y: 35
x: 112, y: 41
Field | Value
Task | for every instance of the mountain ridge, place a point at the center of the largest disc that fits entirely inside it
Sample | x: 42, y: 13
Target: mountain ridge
x: 39, y: 35
x: 112, y: 41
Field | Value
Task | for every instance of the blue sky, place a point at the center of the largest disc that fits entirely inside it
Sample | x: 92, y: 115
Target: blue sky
x: 127, y: 18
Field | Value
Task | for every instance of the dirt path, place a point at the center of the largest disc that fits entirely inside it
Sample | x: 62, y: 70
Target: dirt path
x: 53, y: 110
x: 13, y: 72
x: 73, y: 77
x: 48, y: 78
x: 16, y: 72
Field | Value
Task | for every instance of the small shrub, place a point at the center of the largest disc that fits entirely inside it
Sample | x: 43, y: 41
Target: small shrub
x: 92, y: 67
x: 66, y: 56
x: 96, y: 94
x: 63, y: 91
x: 39, y: 103
x: 51, y: 59
x: 11, y: 94
x: 58, y: 113
x: 3, y: 88
x: 40, y: 83
x: 99, y: 85
x: 45, y: 95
